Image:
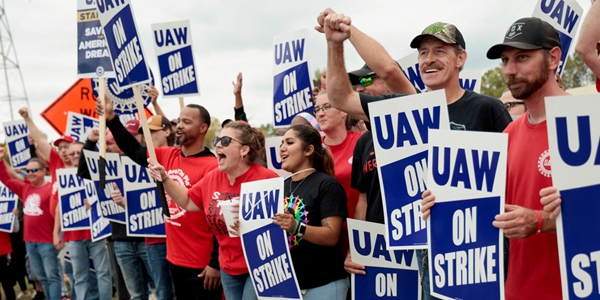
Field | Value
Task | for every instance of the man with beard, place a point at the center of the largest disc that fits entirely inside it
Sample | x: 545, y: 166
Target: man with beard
x: 442, y: 55
x: 530, y: 55
x: 191, y: 247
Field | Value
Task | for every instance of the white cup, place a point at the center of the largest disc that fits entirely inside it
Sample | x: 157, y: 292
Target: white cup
x: 228, y: 215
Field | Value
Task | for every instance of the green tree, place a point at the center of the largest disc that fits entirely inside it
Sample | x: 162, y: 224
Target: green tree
x: 215, y: 128
x: 267, y: 129
x: 317, y: 78
x: 576, y: 73
x: 492, y: 83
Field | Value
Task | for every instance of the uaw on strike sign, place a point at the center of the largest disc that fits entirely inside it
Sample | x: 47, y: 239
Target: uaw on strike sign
x: 292, y: 86
x: 467, y: 175
x: 400, y: 136
x: 574, y: 140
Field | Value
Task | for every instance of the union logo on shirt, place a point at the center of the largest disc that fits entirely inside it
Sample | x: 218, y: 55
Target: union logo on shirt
x: 544, y: 164
x: 175, y: 210
x: 32, y: 206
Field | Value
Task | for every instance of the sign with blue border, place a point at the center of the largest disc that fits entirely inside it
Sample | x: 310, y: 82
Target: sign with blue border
x: 8, y: 202
x: 93, y: 59
x: 17, y: 143
x: 71, y: 193
x: 272, y: 145
x: 100, y: 226
x: 114, y: 174
x: 79, y: 126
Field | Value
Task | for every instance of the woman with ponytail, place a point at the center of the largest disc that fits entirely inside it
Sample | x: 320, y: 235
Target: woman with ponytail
x: 315, y: 208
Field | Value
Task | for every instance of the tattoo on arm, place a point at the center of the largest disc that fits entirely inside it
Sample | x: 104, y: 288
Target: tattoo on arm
x: 325, y: 222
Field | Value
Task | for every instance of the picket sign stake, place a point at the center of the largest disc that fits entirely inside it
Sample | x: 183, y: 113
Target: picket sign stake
x: 102, y: 158
x: 144, y: 122
x: 181, y: 104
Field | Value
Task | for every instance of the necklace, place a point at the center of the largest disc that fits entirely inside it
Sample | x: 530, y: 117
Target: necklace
x: 301, y: 171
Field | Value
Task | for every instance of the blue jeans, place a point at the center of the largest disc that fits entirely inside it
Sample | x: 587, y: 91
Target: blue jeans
x: 423, y: 262
x: 44, y: 264
x: 335, y: 290
x: 80, y: 252
x: 67, y: 269
x: 238, y: 287
x: 159, y: 269
x: 131, y: 256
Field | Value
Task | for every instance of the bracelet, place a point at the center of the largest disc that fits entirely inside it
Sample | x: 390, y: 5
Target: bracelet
x: 296, y: 226
x: 539, y: 221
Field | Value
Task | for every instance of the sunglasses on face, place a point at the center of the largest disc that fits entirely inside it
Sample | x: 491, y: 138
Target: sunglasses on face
x: 512, y: 104
x: 326, y: 107
x: 225, y: 141
x: 32, y: 170
x: 366, y: 81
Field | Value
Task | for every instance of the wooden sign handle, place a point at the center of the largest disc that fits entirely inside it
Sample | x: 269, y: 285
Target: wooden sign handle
x: 102, y: 139
x: 181, y: 104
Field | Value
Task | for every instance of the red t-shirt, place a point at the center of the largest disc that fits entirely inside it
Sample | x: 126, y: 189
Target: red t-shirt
x: 54, y: 163
x: 5, y: 245
x: 155, y: 241
x: 77, y: 235
x: 207, y: 193
x: 534, y: 271
x: 189, y: 238
x: 342, y: 160
x: 38, y: 222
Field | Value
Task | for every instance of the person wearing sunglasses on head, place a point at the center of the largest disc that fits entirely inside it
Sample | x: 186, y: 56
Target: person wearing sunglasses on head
x: 38, y: 223
x: 238, y: 149
x: 192, y: 250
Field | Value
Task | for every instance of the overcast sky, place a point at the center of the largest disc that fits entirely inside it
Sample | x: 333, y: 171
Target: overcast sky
x: 237, y: 36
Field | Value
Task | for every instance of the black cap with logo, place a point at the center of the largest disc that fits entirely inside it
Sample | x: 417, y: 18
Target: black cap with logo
x: 527, y: 34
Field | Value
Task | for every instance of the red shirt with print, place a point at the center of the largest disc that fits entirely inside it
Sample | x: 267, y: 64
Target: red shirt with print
x: 5, y: 245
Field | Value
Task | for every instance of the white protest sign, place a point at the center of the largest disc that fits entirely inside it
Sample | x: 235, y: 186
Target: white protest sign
x: 79, y: 126
x: 400, y: 137
x: 114, y: 174
x: 467, y: 174
x: 574, y: 141
x: 100, y: 226
x: 124, y: 45
x: 265, y: 244
x: 8, y: 202
x: 93, y: 59
x: 143, y: 210
x: 389, y: 274
x: 565, y: 16
x: 272, y: 145
x: 292, y: 84
x: 17, y: 143
x: 71, y: 193
x: 173, y: 48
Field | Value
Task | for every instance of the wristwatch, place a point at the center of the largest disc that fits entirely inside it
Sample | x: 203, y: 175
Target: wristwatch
x: 301, y: 230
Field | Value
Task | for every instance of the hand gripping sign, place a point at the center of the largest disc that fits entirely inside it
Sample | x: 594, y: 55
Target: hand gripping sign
x: 389, y: 274
x: 114, y: 174
x: 71, y: 193
x: 467, y: 174
x: 574, y: 140
x: 265, y: 244
x: 565, y: 16
x: 92, y: 55
x: 272, y: 145
x: 17, y: 142
x: 8, y: 202
x: 173, y: 47
x: 292, y: 86
x: 124, y: 46
x: 99, y: 226
x: 143, y: 210
x: 400, y: 136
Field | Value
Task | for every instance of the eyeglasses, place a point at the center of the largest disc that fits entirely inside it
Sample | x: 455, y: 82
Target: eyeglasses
x: 74, y: 154
x: 225, y: 141
x: 33, y: 170
x: 367, y: 81
x: 326, y: 107
x: 512, y: 104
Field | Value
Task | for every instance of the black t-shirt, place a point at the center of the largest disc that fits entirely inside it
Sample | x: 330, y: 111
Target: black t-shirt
x: 314, y: 198
x: 473, y: 112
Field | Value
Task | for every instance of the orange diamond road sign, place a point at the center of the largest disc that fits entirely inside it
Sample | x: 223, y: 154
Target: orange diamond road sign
x: 78, y: 98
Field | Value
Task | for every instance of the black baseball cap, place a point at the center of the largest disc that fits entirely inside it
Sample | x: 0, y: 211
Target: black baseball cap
x: 357, y: 74
x: 445, y: 32
x: 527, y: 34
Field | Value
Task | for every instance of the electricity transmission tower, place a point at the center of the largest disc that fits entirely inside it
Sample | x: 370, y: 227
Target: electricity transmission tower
x: 12, y: 89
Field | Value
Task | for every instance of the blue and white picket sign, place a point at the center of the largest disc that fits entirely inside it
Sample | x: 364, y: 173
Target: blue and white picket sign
x: 469, y: 79
x: 93, y: 59
x: 79, y: 126
x: 17, y: 143
x: 574, y: 140
x: 400, y: 136
x: 71, y: 193
x: 272, y: 145
x: 8, y: 202
x: 265, y: 244
x: 565, y: 16
x: 292, y: 84
x: 143, y: 210
x: 114, y: 174
x: 467, y: 175
x: 124, y: 43
x: 173, y: 47
x: 390, y: 274
x: 100, y: 226
x: 122, y: 98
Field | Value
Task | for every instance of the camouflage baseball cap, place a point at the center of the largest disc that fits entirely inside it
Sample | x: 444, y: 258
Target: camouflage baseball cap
x: 447, y: 33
